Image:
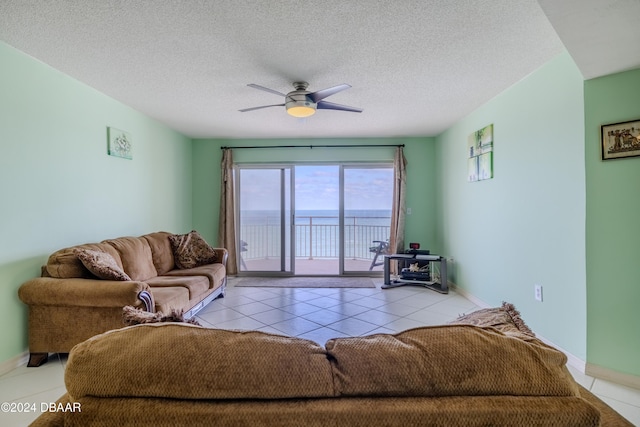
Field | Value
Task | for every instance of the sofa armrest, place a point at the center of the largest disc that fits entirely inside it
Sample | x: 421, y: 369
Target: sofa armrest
x: 222, y: 255
x: 78, y: 292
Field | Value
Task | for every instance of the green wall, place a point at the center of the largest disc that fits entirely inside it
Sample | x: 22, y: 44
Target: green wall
x: 526, y: 225
x: 60, y: 188
x: 421, y: 187
x: 613, y: 229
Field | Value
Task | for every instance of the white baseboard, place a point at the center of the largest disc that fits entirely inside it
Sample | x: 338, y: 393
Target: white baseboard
x: 468, y: 296
x: 14, y: 362
x: 612, y: 376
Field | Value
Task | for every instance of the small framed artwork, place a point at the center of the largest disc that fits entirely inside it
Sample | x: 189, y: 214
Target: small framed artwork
x: 480, y: 153
x: 621, y: 140
x: 119, y: 143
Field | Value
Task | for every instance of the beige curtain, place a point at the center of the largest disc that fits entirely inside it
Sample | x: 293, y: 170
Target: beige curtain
x: 396, y: 238
x: 227, y: 218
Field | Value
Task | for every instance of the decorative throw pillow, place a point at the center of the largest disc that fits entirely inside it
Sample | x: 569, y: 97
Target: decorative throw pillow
x: 191, y: 250
x: 102, y: 265
x: 134, y: 316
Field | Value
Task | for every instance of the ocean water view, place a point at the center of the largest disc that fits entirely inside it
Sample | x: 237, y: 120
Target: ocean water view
x: 317, y: 233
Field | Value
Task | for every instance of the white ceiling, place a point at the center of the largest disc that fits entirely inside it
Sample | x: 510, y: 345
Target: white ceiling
x: 602, y: 36
x: 415, y: 66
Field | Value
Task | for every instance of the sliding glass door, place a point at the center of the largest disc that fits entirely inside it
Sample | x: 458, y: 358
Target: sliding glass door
x: 313, y: 219
x: 318, y: 232
x: 367, y: 192
x: 264, y: 211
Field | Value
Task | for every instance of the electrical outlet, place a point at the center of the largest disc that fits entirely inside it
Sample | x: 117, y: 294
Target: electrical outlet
x: 538, y: 292
x: 408, y: 211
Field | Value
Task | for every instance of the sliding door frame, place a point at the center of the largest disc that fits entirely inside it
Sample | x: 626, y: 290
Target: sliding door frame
x: 286, y: 221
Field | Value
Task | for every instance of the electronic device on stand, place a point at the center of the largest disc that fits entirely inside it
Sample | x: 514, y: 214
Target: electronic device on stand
x: 415, y: 268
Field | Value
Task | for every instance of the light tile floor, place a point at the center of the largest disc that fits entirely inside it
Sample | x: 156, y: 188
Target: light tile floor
x: 316, y: 314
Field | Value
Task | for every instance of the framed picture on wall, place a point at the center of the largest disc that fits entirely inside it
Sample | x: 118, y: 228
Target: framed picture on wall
x: 620, y: 140
x: 119, y: 143
x: 480, y: 152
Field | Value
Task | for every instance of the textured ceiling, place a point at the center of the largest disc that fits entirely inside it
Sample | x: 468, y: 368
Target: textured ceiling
x: 415, y: 66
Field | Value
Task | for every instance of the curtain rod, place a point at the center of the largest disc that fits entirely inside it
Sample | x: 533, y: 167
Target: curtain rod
x: 316, y: 146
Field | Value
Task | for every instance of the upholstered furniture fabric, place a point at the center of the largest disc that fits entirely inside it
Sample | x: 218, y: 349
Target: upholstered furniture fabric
x: 65, y: 263
x: 420, y: 362
x: 135, y: 253
x: 77, y: 292
x: 70, y: 304
x: 177, y: 374
x: 213, y: 364
x: 196, y: 285
x: 498, y: 411
x: 169, y: 298
x: 161, y: 252
x: 214, y: 272
x: 444, y: 361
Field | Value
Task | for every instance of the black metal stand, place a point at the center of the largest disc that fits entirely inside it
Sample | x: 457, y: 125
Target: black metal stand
x: 440, y: 286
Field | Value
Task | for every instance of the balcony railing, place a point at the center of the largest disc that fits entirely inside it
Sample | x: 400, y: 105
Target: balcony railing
x: 315, y: 236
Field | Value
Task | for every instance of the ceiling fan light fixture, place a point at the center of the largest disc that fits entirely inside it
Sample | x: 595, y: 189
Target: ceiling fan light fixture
x: 300, y: 110
x: 298, y: 104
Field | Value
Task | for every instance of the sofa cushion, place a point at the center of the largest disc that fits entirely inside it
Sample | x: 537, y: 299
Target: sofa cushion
x: 64, y: 263
x: 191, y: 250
x: 161, y: 251
x: 180, y: 361
x: 101, y: 264
x: 196, y: 285
x: 136, y: 257
x: 215, y: 273
x: 460, y: 360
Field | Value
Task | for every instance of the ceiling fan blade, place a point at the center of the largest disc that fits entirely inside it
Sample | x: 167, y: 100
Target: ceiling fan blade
x: 266, y: 89
x: 324, y: 105
x: 322, y: 94
x: 244, y: 110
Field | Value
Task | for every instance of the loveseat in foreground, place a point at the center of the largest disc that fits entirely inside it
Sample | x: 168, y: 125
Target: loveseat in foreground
x: 84, y: 288
x: 451, y: 375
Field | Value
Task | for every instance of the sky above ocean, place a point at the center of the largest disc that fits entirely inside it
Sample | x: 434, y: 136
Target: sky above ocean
x: 317, y: 188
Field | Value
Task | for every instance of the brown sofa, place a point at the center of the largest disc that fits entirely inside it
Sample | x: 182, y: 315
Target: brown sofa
x: 69, y: 303
x: 452, y: 375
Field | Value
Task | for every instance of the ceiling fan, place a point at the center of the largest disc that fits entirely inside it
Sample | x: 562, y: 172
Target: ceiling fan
x: 302, y: 103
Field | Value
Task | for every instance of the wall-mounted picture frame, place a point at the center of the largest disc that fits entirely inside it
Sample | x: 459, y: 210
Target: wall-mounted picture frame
x: 620, y: 140
x: 480, y: 152
x: 119, y: 143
